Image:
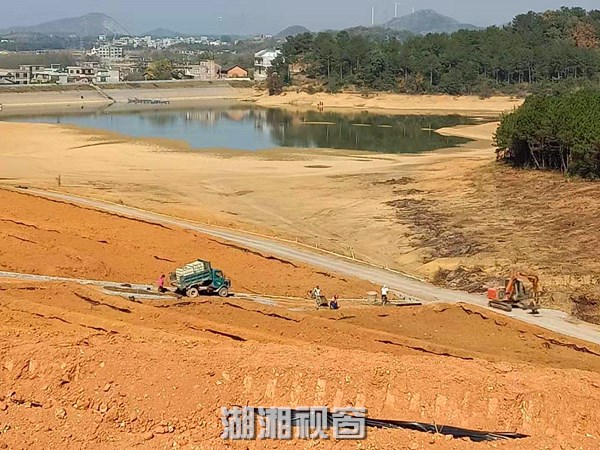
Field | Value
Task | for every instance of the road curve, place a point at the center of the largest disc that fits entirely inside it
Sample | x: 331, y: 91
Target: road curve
x: 556, y: 321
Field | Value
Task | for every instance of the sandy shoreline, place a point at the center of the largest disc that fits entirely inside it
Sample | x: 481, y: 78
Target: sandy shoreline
x: 235, y: 188
x: 385, y: 103
x: 34, y: 101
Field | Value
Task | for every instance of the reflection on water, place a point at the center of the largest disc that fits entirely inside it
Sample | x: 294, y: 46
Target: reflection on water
x: 250, y: 128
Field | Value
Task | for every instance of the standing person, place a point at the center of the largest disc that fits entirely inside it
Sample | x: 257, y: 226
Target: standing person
x: 320, y: 300
x: 161, y: 284
x: 384, y: 294
x: 316, y: 293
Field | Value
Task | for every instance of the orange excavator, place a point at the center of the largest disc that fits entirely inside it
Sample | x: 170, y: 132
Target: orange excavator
x: 515, y: 295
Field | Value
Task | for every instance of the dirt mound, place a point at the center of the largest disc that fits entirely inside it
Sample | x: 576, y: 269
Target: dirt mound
x: 82, y: 368
x: 456, y: 331
x: 50, y: 238
x: 119, y: 374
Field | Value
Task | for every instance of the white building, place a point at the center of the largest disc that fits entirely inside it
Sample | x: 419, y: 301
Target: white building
x: 108, y: 75
x: 108, y: 51
x: 263, y: 61
x: 56, y: 74
x: 124, y: 41
x: 53, y: 75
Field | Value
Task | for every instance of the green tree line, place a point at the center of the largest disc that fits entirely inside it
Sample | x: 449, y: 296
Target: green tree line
x: 554, y: 132
x: 534, y: 51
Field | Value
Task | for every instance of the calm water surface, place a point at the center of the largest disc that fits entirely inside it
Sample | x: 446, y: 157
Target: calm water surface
x: 250, y: 128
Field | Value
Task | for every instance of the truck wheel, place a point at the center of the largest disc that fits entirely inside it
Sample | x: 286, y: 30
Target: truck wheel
x: 223, y: 292
x: 192, y: 293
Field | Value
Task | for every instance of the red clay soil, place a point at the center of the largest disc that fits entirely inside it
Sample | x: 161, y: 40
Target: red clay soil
x: 83, y: 369
x: 44, y: 237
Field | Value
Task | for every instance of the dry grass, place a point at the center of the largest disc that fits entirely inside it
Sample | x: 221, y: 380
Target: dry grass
x: 532, y: 221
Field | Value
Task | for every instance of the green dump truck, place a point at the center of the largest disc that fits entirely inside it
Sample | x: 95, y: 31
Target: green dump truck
x: 199, y: 277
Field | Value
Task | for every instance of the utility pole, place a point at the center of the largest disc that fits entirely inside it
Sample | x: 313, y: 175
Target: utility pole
x: 372, y: 16
x: 396, y: 8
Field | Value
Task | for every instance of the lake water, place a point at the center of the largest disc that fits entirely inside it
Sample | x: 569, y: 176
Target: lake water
x: 250, y: 128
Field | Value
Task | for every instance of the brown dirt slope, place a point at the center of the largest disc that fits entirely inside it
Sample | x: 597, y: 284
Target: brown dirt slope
x: 81, y: 369
x: 50, y: 238
x: 118, y: 374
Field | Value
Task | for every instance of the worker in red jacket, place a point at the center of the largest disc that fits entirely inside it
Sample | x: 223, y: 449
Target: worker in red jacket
x: 161, y: 284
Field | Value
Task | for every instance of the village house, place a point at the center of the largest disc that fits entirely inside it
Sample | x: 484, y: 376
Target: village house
x: 108, y: 51
x: 109, y: 75
x: 81, y: 74
x: 25, y: 73
x: 52, y: 75
x: 204, y: 70
x: 55, y: 74
x: 263, y: 61
x: 234, y: 71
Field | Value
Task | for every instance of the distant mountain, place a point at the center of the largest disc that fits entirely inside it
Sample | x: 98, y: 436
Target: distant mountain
x: 294, y: 30
x: 93, y: 24
x: 379, y: 33
x: 163, y: 33
x: 428, y: 21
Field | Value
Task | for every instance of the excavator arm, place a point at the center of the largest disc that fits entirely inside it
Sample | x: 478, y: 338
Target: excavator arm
x: 533, y: 279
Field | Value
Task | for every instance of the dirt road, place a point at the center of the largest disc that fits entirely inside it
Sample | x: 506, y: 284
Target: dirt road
x: 549, y: 319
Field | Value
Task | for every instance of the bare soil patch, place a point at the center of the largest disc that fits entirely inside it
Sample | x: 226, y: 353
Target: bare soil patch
x: 83, y: 368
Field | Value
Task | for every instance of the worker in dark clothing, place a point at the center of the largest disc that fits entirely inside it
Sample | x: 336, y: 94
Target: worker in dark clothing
x: 334, y: 304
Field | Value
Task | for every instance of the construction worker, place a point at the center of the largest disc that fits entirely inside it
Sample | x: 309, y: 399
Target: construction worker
x: 384, y: 294
x: 316, y: 293
x: 334, y: 302
x: 320, y: 300
x: 161, y: 284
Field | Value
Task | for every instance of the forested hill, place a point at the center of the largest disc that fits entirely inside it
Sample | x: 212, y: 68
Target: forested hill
x: 535, y: 51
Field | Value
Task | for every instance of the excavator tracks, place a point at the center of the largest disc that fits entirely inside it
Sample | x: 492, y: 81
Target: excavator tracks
x: 500, y: 305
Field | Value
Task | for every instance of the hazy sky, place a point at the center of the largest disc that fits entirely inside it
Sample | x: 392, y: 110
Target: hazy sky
x: 265, y: 16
